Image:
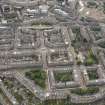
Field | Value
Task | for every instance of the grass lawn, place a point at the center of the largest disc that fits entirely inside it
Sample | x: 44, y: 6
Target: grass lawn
x: 90, y: 59
x: 85, y: 91
x: 63, y: 77
x: 38, y: 76
x: 59, y: 102
x: 93, y: 75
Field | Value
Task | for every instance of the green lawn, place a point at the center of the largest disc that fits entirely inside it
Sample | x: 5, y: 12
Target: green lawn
x: 63, y: 77
x: 85, y: 91
x: 60, y: 102
x: 39, y: 76
x: 93, y: 75
x: 91, y: 58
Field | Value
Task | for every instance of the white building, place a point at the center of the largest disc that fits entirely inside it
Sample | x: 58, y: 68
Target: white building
x: 43, y: 8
